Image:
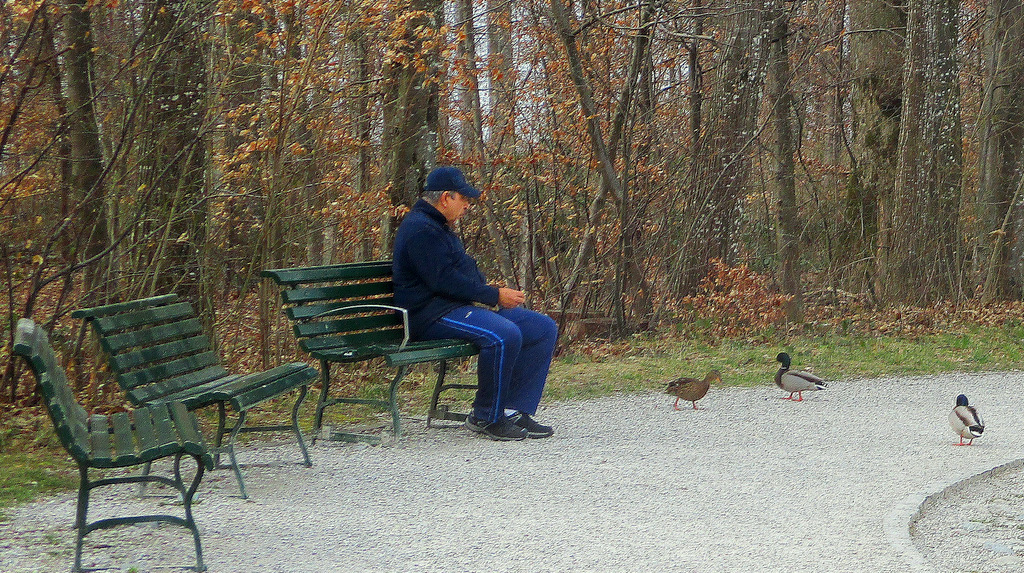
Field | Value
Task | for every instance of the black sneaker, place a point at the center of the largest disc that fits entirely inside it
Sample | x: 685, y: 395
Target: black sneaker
x: 503, y: 430
x: 533, y: 429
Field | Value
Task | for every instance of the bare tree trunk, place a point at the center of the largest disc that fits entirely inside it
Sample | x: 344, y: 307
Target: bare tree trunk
x: 604, y: 152
x: 1000, y: 158
x: 360, y: 103
x: 920, y: 226
x: 839, y: 153
x: 876, y: 48
x: 86, y: 151
x: 410, y: 109
x: 242, y: 90
x: 175, y: 162
x: 503, y: 138
x: 990, y: 288
x: 503, y: 74
x: 696, y: 79
x: 781, y: 101
x: 721, y: 170
x: 473, y: 141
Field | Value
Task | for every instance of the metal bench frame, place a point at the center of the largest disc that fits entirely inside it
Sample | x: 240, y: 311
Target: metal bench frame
x: 157, y: 350
x: 345, y: 314
x: 124, y: 439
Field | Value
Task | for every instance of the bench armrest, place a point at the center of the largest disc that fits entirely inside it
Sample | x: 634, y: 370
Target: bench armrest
x: 405, y: 317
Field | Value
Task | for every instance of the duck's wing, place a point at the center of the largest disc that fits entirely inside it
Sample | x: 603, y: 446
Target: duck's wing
x: 680, y: 384
x: 800, y: 381
x: 966, y: 421
x: 977, y: 425
x: 688, y: 388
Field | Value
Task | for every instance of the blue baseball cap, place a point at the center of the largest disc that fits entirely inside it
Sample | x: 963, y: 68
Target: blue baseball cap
x: 450, y: 179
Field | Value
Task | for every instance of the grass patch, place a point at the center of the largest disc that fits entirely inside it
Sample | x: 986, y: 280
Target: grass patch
x: 649, y: 362
x: 32, y: 464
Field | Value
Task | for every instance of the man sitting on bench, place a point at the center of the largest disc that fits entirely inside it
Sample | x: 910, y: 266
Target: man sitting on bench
x: 448, y: 297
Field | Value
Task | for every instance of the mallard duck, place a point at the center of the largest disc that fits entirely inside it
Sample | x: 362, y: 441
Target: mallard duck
x: 966, y: 421
x: 795, y: 381
x: 692, y: 389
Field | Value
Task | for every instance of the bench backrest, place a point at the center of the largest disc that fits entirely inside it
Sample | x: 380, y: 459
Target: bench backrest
x: 155, y: 346
x: 324, y: 303
x: 70, y: 419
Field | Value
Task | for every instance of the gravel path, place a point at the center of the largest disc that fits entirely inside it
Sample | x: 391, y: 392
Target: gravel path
x: 750, y: 483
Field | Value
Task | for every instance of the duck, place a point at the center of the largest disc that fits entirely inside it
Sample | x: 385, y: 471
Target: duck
x: 966, y: 421
x: 692, y: 389
x: 795, y: 381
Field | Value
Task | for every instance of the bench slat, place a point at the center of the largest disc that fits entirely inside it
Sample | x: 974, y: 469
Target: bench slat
x: 149, y: 447
x: 249, y: 391
x: 166, y: 435
x: 74, y: 436
x: 118, y: 342
x: 179, y: 368
x: 78, y: 432
x: 190, y: 388
x: 126, y: 361
x: 184, y: 425
x: 145, y: 317
x: 351, y: 271
x: 342, y: 326
x: 338, y: 292
x: 384, y: 348
x: 62, y: 392
x: 97, y: 311
x: 124, y: 441
x: 99, y: 436
x: 416, y: 356
x: 351, y: 340
x: 314, y: 310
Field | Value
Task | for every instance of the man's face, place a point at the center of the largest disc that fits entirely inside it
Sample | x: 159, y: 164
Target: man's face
x: 453, y: 205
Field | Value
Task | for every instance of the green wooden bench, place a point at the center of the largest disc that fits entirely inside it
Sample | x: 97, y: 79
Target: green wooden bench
x: 157, y: 350
x: 122, y: 440
x: 345, y: 314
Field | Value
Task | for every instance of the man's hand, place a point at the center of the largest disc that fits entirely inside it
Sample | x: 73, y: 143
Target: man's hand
x: 510, y: 298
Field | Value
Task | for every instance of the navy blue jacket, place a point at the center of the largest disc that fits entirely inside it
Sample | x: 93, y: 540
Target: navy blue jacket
x: 433, y: 275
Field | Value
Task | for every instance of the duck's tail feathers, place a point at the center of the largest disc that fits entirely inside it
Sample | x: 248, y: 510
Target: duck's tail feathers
x: 821, y: 385
x: 976, y: 430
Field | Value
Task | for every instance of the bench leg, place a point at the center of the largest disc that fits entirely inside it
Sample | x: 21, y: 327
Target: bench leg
x: 231, y: 452
x: 146, y: 468
x: 442, y: 368
x: 83, y: 527
x: 325, y: 385
x: 295, y: 426
x: 393, y: 400
x: 187, y: 496
x: 81, y: 513
x: 442, y: 412
x: 391, y: 405
x: 221, y: 430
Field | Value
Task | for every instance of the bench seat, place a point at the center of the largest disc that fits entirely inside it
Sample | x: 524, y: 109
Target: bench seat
x: 346, y: 314
x: 120, y: 440
x: 158, y: 352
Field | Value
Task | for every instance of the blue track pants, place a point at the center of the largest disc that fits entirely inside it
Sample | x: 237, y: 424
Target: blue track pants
x: 516, y: 346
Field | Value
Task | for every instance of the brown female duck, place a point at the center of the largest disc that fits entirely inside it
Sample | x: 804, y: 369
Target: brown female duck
x: 691, y: 389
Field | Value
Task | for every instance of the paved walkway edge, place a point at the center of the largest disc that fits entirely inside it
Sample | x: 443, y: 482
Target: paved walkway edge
x: 900, y: 521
